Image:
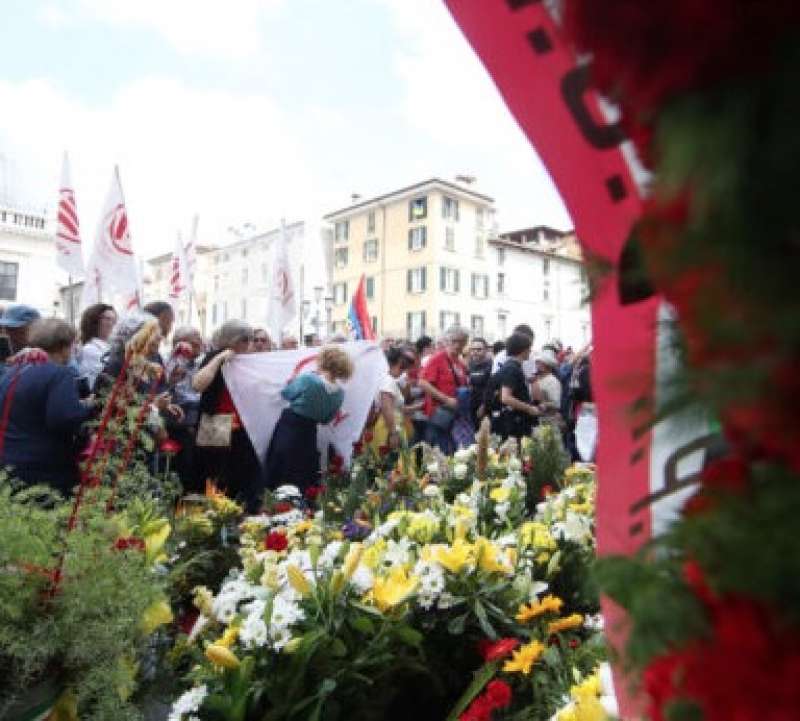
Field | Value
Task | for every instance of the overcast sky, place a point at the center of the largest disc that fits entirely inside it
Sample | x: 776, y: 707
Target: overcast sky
x: 252, y: 110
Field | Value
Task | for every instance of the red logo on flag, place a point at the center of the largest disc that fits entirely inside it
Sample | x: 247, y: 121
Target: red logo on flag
x: 118, y: 230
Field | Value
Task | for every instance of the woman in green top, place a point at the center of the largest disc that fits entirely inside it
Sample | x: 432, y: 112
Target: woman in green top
x: 313, y: 398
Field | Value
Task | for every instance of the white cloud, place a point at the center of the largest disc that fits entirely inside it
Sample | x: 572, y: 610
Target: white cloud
x: 53, y: 15
x: 210, y: 27
x: 229, y: 157
x: 449, y: 96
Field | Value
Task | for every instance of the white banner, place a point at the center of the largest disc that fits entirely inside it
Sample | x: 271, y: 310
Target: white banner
x: 255, y: 382
x: 68, y: 235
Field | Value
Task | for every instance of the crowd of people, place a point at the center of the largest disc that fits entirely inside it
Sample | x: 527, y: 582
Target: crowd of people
x: 53, y: 379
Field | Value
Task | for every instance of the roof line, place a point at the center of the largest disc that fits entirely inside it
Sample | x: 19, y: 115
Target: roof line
x: 401, y: 191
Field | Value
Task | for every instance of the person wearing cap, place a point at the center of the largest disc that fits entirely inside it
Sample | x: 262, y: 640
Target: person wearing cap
x: 16, y: 321
x: 546, y: 387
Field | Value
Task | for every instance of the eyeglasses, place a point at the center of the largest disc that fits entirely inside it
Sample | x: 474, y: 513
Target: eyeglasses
x: 260, y: 339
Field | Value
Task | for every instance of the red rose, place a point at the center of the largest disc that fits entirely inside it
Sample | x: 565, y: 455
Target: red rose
x: 368, y: 436
x: 492, y: 651
x: 276, y: 541
x: 282, y: 507
x: 499, y: 693
x: 313, y: 492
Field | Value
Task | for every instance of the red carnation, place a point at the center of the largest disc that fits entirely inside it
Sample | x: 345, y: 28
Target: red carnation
x: 129, y: 543
x: 492, y: 651
x: 480, y: 710
x: 276, y: 541
x: 170, y: 446
x: 499, y: 693
x: 282, y: 507
x: 313, y: 492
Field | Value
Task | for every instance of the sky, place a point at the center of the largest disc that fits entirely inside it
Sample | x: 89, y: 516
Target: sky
x: 250, y: 111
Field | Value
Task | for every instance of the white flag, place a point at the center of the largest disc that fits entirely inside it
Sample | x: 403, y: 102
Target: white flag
x: 179, y: 279
x: 112, y: 267
x: 255, y: 381
x: 191, y: 254
x: 69, y: 256
x: 282, y: 299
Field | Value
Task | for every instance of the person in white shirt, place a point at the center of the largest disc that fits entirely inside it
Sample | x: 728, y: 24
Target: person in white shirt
x: 546, y: 387
x: 390, y: 424
x: 97, y: 322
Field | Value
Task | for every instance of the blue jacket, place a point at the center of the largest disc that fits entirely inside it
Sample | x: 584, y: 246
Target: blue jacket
x: 44, y: 416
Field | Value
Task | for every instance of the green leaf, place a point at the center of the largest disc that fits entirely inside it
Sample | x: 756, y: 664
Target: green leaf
x: 483, y: 620
x: 457, y: 624
x: 410, y: 636
x: 361, y: 624
x: 482, y: 676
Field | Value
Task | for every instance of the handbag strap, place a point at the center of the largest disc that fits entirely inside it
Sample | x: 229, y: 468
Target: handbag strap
x: 458, y: 384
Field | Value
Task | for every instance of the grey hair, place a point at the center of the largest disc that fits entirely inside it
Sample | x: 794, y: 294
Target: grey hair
x: 51, y: 334
x: 456, y: 332
x: 183, y: 333
x: 127, y: 327
x: 230, y: 333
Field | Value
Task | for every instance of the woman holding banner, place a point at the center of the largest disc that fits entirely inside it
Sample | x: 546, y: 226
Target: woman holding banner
x: 313, y: 398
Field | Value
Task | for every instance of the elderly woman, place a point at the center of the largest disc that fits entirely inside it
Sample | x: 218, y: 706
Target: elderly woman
x: 44, y: 411
x: 97, y: 323
x: 313, y: 398
x: 224, y: 451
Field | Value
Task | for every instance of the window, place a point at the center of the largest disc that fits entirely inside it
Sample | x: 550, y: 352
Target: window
x: 502, y: 325
x: 501, y: 256
x: 369, y: 287
x: 370, y: 250
x: 479, y: 245
x: 449, y: 238
x: 546, y: 266
x: 8, y: 280
x: 245, y: 275
x: 371, y: 221
x: 341, y: 231
x: 244, y: 308
x: 479, y: 217
x: 480, y: 285
x: 449, y: 208
x: 447, y: 319
x: 415, y: 280
x: 339, y: 293
x: 214, y: 314
x: 449, y: 280
x: 415, y: 324
x: 375, y: 324
x: 418, y: 209
x: 417, y: 237
x: 340, y: 257
x: 476, y: 325
x: 501, y: 284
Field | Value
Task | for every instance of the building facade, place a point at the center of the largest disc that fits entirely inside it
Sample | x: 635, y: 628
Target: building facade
x: 432, y: 258
x: 233, y: 281
x: 28, y: 271
x: 423, y: 251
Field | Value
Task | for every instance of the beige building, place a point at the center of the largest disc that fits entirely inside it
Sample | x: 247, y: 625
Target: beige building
x: 424, y: 253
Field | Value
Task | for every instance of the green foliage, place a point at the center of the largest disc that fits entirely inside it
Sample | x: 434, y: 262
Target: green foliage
x: 548, y: 461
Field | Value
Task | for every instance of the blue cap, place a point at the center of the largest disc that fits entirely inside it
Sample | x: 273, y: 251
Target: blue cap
x: 16, y: 316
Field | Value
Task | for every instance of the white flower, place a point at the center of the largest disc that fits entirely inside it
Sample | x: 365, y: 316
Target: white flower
x: 537, y: 588
x: 431, y: 577
x: 284, y: 493
x: 397, y: 552
x: 501, y: 511
x: 575, y: 528
x: 464, y: 499
x: 382, y: 531
x: 188, y: 702
x: 432, y: 491
x: 432, y: 468
x: 514, y: 464
x: 280, y: 637
x: 224, y: 607
x: 253, y: 632
x: 328, y: 557
x: 446, y: 600
x: 362, y: 580
x: 463, y: 454
x: 594, y: 623
x: 460, y: 471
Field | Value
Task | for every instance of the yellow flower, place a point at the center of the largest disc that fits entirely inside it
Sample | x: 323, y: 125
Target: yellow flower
x: 297, y: 580
x: 584, y: 509
x: 422, y: 527
x: 586, y: 706
x: 351, y: 560
x: 589, y: 688
x: 203, y: 600
x: 228, y: 638
x: 500, y: 495
x: 565, y: 624
x: 523, y: 658
x: 221, y: 656
x: 300, y: 528
x: 543, y: 558
x: 155, y: 539
x: 373, y: 554
x: 292, y: 645
x: 157, y: 614
x: 490, y: 558
x: 390, y: 591
x: 549, y: 604
x: 537, y: 535
x: 455, y: 557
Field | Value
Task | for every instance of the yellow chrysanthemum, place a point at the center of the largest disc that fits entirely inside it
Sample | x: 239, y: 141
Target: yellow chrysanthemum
x: 566, y: 623
x: 422, y: 528
x: 549, y: 604
x: 221, y: 656
x: 229, y: 637
x: 372, y: 556
x: 392, y: 590
x: 537, y: 535
x: 523, y: 658
x: 456, y: 556
x: 300, y: 528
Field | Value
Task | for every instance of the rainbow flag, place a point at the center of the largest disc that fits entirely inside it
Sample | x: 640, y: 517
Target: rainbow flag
x: 359, y: 315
